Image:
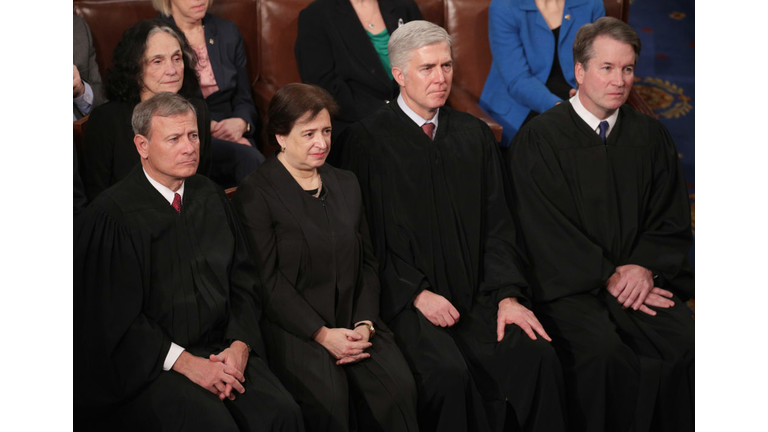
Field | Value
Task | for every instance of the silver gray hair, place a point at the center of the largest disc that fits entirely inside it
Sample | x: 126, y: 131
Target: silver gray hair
x: 163, y: 104
x: 412, y: 36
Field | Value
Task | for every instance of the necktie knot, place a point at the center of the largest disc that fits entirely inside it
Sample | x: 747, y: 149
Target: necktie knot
x: 428, y: 129
x: 177, y: 202
x: 603, y: 130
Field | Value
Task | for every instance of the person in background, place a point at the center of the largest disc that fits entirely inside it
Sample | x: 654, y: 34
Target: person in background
x: 453, y: 289
x: 151, y: 57
x: 166, y: 315
x: 225, y: 86
x: 605, y: 215
x: 342, y: 47
x: 306, y: 222
x: 87, y: 91
x: 532, y: 69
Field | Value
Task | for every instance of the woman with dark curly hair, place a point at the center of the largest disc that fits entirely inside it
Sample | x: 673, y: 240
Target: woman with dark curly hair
x: 151, y: 57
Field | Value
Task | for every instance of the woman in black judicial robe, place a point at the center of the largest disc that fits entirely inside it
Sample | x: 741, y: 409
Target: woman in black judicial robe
x: 310, y: 240
x: 109, y: 153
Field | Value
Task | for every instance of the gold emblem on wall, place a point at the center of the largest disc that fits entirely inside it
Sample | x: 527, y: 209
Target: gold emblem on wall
x: 663, y: 97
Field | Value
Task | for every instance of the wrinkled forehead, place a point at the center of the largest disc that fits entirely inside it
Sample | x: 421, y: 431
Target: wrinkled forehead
x: 163, y: 124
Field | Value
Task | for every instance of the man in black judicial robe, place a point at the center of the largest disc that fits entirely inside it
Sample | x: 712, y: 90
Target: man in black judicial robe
x: 166, y: 319
x: 605, y: 216
x: 445, y: 240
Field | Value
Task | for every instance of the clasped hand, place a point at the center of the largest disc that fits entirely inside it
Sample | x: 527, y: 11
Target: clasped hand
x: 231, y: 129
x: 345, y: 345
x: 219, y: 374
x: 632, y: 285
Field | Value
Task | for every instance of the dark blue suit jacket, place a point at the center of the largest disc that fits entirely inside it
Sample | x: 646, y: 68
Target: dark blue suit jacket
x: 227, y: 55
x: 523, y: 51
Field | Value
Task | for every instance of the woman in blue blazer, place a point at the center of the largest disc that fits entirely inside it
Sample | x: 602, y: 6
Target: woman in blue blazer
x: 524, y: 79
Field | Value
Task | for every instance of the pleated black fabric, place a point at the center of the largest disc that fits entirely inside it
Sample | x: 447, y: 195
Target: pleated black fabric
x: 440, y: 221
x: 145, y: 276
x: 586, y: 207
x: 319, y: 270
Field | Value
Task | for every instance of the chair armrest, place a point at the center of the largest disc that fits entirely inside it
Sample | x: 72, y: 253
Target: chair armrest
x: 461, y: 100
x: 78, y: 130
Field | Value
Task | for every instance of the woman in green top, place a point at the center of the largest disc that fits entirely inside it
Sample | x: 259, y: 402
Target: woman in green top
x: 342, y: 47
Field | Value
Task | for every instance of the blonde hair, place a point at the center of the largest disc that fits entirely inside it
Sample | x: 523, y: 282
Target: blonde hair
x: 164, y: 6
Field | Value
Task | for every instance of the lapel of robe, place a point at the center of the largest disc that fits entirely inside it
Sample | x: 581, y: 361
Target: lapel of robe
x: 360, y: 44
x: 214, y: 45
x: 291, y: 194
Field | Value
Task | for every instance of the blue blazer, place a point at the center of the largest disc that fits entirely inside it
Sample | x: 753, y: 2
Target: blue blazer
x: 228, y: 61
x: 523, y: 48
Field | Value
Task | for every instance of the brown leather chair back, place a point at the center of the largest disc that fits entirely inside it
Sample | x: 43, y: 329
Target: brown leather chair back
x: 617, y: 9
x: 432, y: 11
x: 279, y: 22
x: 467, y: 23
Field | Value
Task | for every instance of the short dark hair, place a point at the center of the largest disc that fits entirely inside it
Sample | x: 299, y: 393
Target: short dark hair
x: 606, y: 26
x: 163, y: 104
x: 124, y: 80
x: 291, y: 103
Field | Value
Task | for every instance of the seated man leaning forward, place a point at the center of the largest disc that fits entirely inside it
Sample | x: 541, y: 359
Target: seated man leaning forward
x: 166, y: 319
x: 606, y: 219
x: 452, y: 290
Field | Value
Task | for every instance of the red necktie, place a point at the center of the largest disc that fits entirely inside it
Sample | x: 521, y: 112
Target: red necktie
x: 428, y: 128
x: 177, y: 202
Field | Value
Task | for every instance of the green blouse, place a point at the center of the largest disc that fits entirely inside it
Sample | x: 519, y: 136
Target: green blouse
x: 379, y: 42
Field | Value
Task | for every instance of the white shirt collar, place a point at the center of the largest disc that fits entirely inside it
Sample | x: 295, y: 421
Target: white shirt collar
x: 590, y: 118
x: 415, y: 117
x: 164, y: 191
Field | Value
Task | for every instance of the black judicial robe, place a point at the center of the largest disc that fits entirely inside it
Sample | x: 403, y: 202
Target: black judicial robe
x: 586, y: 207
x: 319, y: 270
x: 439, y: 220
x: 146, y: 275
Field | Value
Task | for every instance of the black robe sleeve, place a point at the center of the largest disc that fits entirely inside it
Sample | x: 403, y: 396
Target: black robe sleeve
x: 245, y: 284
x: 666, y: 238
x: 116, y: 346
x: 366, y: 305
x: 400, y: 281
x: 503, y: 260
x: 565, y: 258
x: 282, y: 303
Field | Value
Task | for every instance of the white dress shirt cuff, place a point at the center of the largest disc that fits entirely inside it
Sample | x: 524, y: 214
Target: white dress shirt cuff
x: 172, y: 356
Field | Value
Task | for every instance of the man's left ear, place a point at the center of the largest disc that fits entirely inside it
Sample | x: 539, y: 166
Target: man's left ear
x: 141, y: 145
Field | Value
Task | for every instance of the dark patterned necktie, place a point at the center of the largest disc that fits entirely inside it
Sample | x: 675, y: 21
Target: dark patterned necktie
x: 603, y: 130
x: 428, y: 128
x: 177, y: 202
